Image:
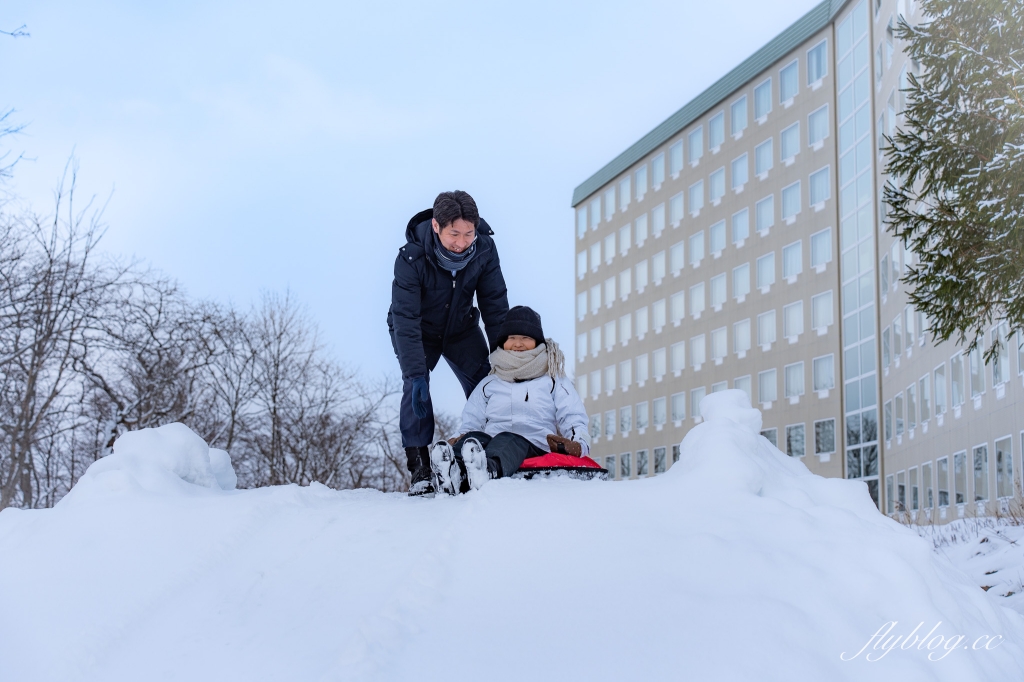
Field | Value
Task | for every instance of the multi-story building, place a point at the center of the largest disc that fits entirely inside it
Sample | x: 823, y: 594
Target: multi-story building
x: 740, y: 245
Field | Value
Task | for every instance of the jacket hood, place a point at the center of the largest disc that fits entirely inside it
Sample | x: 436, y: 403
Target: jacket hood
x: 419, y: 228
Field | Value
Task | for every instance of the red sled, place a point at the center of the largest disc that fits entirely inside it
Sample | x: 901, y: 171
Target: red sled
x: 555, y: 464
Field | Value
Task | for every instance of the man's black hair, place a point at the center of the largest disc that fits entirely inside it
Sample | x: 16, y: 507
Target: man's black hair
x: 450, y: 206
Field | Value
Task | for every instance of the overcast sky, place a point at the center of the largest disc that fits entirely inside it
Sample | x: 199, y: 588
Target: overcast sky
x: 268, y: 145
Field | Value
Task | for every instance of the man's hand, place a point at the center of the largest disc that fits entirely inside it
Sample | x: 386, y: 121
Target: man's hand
x: 564, y: 446
x: 420, y: 396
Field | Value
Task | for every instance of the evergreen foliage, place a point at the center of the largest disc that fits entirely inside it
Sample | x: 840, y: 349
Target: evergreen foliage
x: 956, y: 164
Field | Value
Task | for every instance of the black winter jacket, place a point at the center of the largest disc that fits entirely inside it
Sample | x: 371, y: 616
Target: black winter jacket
x: 430, y: 307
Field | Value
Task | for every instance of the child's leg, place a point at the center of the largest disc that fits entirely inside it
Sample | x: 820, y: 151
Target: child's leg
x: 508, y: 450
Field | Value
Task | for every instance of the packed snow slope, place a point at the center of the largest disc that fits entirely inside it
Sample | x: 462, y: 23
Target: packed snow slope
x: 738, y: 564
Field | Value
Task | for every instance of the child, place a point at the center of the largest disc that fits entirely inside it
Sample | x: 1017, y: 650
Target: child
x: 525, y: 407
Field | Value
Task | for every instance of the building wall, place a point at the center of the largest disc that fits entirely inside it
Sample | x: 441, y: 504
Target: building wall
x: 923, y: 443
x: 929, y: 430
x: 623, y: 212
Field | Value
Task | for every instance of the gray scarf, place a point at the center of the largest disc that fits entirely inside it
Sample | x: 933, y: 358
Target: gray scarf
x: 516, y: 366
x: 449, y: 260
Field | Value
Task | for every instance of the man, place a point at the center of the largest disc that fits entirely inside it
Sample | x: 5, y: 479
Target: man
x: 448, y: 258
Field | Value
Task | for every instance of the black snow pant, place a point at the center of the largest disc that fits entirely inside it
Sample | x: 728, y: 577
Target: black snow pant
x: 468, y: 359
x: 505, y: 451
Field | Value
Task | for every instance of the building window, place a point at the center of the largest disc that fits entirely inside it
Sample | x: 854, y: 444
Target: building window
x: 659, y: 460
x: 743, y: 384
x: 659, y: 412
x: 913, y: 488
x: 696, y: 248
x: 897, y: 409
x: 675, y: 453
x: 738, y: 116
x: 719, y: 344
x: 581, y: 222
x: 581, y: 348
x: 763, y: 99
x: 581, y: 264
x: 897, y: 336
x: 625, y: 374
x: 676, y: 258
x: 794, y: 378
x: 924, y: 395
x: 640, y: 272
x: 696, y: 144
x: 766, y: 270
x: 625, y: 194
x: 626, y: 419
x: 824, y: 373
x: 791, y: 201
x: 609, y: 248
x: 789, y: 82
x: 887, y: 414
x: 696, y: 197
x: 641, y: 182
x: 658, y: 314
x: 939, y: 375
x: 890, y: 500
x: 741, y: 336
x: 675, y: 210
x: 677, y: 307
x: 716, y: 131
x: 942, y: 474
x: 926, y: 484
x: 740, y: 227
x: 820, y: 186
x: 1004, y: 467
x: 772, y: 436
x: 790, y: 138
x: 641, y: 415
x: 766, y: 328
x: 741, y: 281
x: 718, y: 291
x: 697, y: 299
x: 609, y: 464
x: 821, y: 311
x: 956, y: 379
x: 717, y: 238
x: 792, y: 260
x: 609, y: 203
x: 817, y: 126
x: 595, y: 213
x: 696, y: 396
x: 625, y: 283
x: 658, y: 362
x: 658, y: 267
x: 641, y: 462
x: 886, y: 348
x: 698, y: 351
x: 609, y: 423
x: 581, y: 384
x: 609, y: 291
x: 960, y: 477
x: 795, y: 440
x: 678, y: 407
x: 675, y: 159
x: 977, y: 366
x: 793, y: 320
x: 764, y: 157
x: 625, y: 327
x: 716, y: 186
x: 595, y: 299
x: 640, y: 231
x: 740, y: 168
x: 658, y: 170
x: 678, y: 352
x: 595, y: 425
x: 1001, y: 362
x: 981, y: 473
x: 821, y: 248
x: 767, y: 387
x: 581, y: 304
x: 817, y: 62
x: 626, y: 460
x: 765, y: 213
x: 825, y: 437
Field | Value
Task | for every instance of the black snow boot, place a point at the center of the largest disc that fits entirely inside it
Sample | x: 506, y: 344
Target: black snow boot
x: 418, y: 461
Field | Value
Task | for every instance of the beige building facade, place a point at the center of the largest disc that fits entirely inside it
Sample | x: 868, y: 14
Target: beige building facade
x: 738, y: 245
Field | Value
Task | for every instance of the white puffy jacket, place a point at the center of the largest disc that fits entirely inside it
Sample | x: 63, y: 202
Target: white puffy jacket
x: 533, y: 409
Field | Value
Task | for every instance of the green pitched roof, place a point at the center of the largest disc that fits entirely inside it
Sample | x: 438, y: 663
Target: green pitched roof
x: 805, y: 27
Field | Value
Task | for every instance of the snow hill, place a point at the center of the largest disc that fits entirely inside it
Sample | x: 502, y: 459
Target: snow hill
x: 738, y: 564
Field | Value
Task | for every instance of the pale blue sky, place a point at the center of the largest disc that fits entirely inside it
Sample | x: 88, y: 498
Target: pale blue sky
x: 264, y: 145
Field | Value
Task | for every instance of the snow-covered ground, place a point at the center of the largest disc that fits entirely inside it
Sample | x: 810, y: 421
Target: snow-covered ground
x: 737, y: 564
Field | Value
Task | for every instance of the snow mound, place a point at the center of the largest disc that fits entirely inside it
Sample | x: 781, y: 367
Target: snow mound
x: 168, y: 460
x: 738, y: 564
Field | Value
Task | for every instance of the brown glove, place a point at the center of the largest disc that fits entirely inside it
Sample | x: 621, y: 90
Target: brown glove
x: 564, y: 446
x: 454, y: 439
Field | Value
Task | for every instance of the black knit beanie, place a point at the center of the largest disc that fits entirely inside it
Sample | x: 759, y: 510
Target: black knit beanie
x: 521, y: 321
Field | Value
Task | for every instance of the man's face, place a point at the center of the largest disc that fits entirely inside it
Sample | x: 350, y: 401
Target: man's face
x: 456, y: 237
